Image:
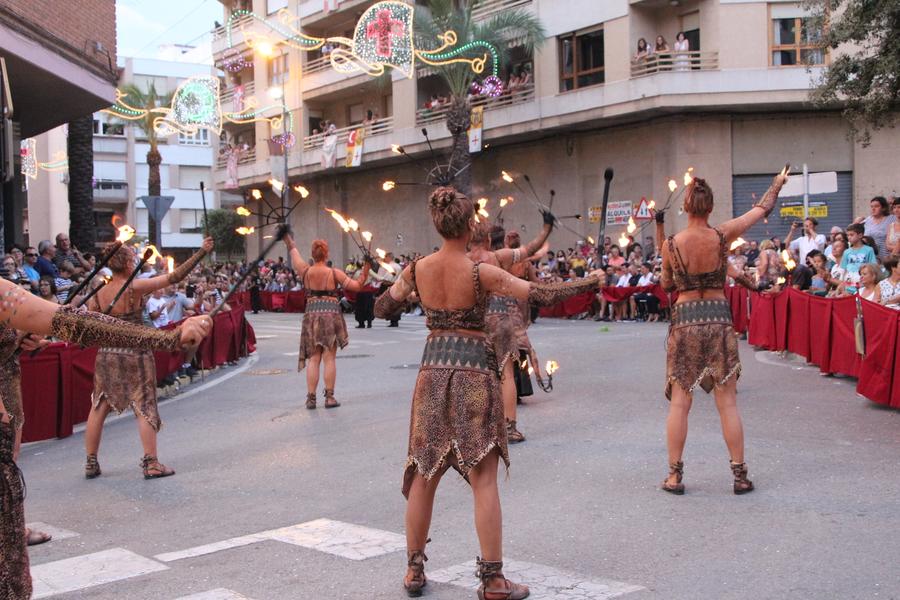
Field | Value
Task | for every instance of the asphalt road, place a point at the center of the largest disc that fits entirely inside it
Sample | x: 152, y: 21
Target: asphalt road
x: 318, y: 492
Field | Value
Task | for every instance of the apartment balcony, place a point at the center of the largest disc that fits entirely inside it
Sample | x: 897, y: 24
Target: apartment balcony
x: 320, y: 79
x: 683, y: 61
x: 111, y: 192
x: 424, y: 116
x: 234, y: 98
x: 376, y: 127
x: 248, y: 157
x: 312, y: 11
x: 220, y: 35
x: 488, y: 8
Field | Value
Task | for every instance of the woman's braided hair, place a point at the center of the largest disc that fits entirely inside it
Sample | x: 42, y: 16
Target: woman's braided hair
x: 451, y: 212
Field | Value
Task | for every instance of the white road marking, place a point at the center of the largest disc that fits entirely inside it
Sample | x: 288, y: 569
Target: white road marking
x: 545, y: 582
x: 89, y: 570
x: 216, y: 594
x: 265, y: 337
x: 325, y: 535
x: 58, y: 533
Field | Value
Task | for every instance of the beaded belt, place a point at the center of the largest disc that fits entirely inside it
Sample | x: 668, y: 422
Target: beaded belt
x: 701, y: 312
x: 500, y: 305
x: 322, y: 305
x: 457, y: 352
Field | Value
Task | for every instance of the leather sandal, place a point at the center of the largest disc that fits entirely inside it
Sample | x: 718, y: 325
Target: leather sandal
x: 33, y: 538
x: 513, y: 435
x: 153, y: 469
x: 676, y: 488
x: 92, y: 467
x: 742, y: 485
x: 494, y: 586
x: 311, y: 401
x: 415, y: 581
x: 330, y: 402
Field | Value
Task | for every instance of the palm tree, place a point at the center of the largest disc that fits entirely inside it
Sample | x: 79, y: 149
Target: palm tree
x: 80, y: 147
x: 149, y: 100
x: 442, y: 15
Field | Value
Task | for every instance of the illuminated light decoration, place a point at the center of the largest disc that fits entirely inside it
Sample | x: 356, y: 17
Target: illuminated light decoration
x: 31, y: 165
x: 123, y: 110
x: 245, y: 230
x: 492, y: 86
x: 289, y: 33
x: 195, y: 106
x: 304, y: 193
x: 243, y: 211
x: 383, y: 37
x: 388, y: 185
x: 235, y: 62
x: 285, y: 140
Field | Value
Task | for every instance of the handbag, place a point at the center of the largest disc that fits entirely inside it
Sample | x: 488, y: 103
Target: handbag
x: 859, y: 330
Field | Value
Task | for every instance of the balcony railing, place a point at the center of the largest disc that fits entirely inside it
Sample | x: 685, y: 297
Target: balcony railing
x: 221, y: 32
x: 486, y: 8
x: 228, y: 97
x: 378, y: 126
x: 247, y: 157
x: 431, y: 115
x: 323, y: 63
x: 693, y: 60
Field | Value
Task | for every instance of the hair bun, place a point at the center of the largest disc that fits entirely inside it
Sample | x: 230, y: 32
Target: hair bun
x: 444, y: 197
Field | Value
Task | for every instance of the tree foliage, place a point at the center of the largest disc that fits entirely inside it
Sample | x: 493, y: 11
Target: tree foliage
x: 221, y: 226
x: 864, y: 78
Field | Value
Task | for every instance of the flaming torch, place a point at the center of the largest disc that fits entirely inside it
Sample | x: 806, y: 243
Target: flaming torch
x: 149, y: 253
x: 126, y: 232
x: 102, y: 284
x: 551, y: 367
x: 245, y: 230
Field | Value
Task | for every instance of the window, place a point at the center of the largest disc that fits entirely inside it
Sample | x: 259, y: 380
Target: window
x: 795, y: 40
x: 201, y: 138
x: 278, y: 73
x: 191, y: 220
x: 189, y: 178
x: 104, y: 126
x: 581, y: 60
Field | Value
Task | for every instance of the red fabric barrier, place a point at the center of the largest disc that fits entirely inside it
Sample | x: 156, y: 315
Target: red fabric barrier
x: 582, y: 302
x: 820, y: 332
x: 844, y: 358
x: 762, y: 322
x: 798, y: 323
x: 876, y: 372
x: 739, y: 298
x: 57, y: 383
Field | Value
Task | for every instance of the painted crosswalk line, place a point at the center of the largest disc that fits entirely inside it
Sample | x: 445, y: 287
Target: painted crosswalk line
x: 216, y: 594
x: 89, y: 570
x: 346, y: 540
x: 545, y: 582
x: 58, y: 533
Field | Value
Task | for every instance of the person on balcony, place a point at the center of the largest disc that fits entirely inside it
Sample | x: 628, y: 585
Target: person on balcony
x: 682, y: 46
x: 662, y: 52
x: 643, y: 51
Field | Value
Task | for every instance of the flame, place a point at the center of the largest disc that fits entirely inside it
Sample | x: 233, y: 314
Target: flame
x: 591, y: 241
x: 155, y: 253
x: 503, y: 202
x: 780, y: 281
x: 341, y: 220
x: 170, y: 263
x: 688, y: 178
x: 367, y: 235
x: 484, y: 213
x: 506, y: 177
x: 388, y: 185
x: 396, y: 148
x: 243, y: 211
x: 304, y: 193
x: 652, y: 204
x: 523, y: 364
x: 789, y: 263
x: 738, y: 243
x: 632, y: 226
x: 482, y: 202
x: 257, y: 195
x: 673, y: 185
x: 352, y: 224
x: 551, y: 367
x: 276, y: 185
x: 623, y: 240
x: 380, y: 253
x: 245, y: 230
x: 530, y: 370
x: 126, y: 232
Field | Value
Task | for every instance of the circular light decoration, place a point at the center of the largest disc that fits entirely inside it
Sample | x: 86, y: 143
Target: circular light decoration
x: 492, y: 86
x: 195, y: 106
x: 285, y: 140
x: 234, y: 63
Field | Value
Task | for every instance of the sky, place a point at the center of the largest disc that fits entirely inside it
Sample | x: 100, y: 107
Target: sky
x: 143, y: 25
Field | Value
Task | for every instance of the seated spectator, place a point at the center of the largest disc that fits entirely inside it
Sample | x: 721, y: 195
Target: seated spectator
x: 890, y: 285
x: 46, y: 254
x: 66, y: 252
x: 645, y: 305
x: 835, y: 235
x: 47, y: 289
x: 615, y: 258
x: 29, y: 266
x: 752, y: 253
x: 868, y: 283
x: 819, y: 267
x: 64, y: 282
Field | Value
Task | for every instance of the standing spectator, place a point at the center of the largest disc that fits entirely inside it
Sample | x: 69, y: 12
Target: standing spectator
x: 661, y: 50
x: 64, y: 282
x: 30, y: 266
x: 810, y: 240
x: 615, y: 257
x: 890, y: 286
x: 643, y: 51
x: 769, y: 266
x: 44, y: 265
x: 180, y: 306
x: 682, y: 47
x: 835, y: 231
x: 878, y: 223
x: 752, y: 253
x: 158, y: 308
x: 892, y: 241
x: 858, y: 254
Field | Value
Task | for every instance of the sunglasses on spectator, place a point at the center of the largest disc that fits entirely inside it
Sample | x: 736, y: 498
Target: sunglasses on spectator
x: 31, y: 254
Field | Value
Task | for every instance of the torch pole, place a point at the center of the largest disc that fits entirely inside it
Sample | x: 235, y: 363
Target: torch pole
x: 607, y: 176
x: 148, y: 253
x: 100, y: 264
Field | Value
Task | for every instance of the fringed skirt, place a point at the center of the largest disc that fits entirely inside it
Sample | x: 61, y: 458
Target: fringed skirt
x: 323, y: 328
x: 11, y: 390
x: 500, y: 325
x: 125, y: 377
x: 702, y: 346
x: 15, y: 577
x: 457, y: 408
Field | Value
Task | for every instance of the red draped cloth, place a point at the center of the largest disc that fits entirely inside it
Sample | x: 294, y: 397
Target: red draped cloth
x: 582, y: 302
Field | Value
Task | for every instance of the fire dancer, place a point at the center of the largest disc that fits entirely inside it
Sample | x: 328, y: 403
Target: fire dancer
x: 324, y: 329
x: 457, y: 409
x: 702, y: 345
x: 126, y: 376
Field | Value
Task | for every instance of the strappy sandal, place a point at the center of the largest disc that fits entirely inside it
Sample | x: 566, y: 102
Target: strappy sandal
x: 153, y: 469
x: 742, y: 485
x: 489, y: 572
x: 34, y: 538
x: 311, y: 401
x: 414, y: 582
x: 513, y: 435
x: 676, y: 488
x: 330, y: 402
x: 91, y: 467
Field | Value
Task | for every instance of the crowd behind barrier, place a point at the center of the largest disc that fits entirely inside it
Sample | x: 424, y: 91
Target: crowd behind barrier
x: 822, y: 330
x: 57, y: 383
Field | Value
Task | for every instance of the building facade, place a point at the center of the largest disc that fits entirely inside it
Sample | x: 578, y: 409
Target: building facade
x: 121, y: 171
x: 60, y: 60
x: 733, y: 107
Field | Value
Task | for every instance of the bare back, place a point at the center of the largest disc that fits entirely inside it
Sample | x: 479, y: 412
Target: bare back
x: 444, y: 281
x: 320, y: 277
x: 695, y: 264
x: 698, y: 249
x: 128, y: 304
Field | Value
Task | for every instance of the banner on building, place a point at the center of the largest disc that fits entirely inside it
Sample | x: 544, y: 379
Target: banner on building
x: 618, y: 213
x: 475, y: 129
x: 355, y: 147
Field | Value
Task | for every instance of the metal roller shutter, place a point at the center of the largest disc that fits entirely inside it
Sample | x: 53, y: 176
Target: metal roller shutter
x: 746, y: 189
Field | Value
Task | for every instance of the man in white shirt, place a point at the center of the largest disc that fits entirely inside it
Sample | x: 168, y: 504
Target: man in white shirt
x: 810, y: 240
x: 157, y: 309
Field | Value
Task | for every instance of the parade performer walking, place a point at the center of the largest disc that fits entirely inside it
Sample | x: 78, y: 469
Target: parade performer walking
x: 457, y: 409
x: 22, y: 310
x: 702, y: 345
x: 324, y: 329
x: 126, y: 377
x: 501, y: 325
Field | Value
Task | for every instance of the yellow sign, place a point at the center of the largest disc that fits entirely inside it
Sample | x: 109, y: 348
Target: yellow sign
x: 594, y: 213
x: 819, y: 212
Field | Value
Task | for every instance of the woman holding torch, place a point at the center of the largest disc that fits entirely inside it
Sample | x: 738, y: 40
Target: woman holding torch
x: 27, y: 313
x: 702, y: 345
x: 324, y: 328
x: 457, y: 409
x: 126, y: 376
